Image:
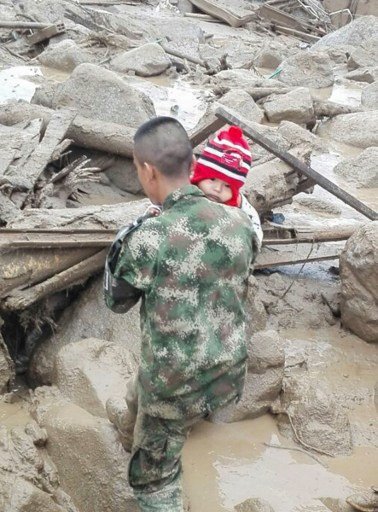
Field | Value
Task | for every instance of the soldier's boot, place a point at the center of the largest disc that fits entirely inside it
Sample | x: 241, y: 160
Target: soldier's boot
x: 123, y: 420
x: 366, y: 501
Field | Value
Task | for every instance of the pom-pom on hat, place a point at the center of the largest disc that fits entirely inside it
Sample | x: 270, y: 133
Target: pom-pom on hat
x: 227, y: 157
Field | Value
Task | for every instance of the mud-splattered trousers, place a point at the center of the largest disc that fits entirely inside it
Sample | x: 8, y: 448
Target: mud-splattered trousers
x: 191, y: 267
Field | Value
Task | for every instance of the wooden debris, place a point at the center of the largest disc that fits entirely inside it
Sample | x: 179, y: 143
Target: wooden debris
x: 182, y: 55
x: 46, y: 33
x: 202, y: 17
x: 23, y: 24
x: 232, y: 117
x: 216, y: 10
x: 304, y: 36
x: 283, y: 258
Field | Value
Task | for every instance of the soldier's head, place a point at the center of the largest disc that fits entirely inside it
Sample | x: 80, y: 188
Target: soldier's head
x: 163, y: 157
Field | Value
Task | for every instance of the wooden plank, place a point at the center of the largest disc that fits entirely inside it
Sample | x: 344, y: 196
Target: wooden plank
x: 29, y: 171
x: 283, y: 260
x: 274, y: 15
x: 309, y: 38
x: 213, y: 8
x: 233, y: 117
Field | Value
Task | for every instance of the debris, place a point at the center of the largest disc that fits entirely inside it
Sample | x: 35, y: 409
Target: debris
x: 297, y: 164
x: 237, y: 17
x: 46, y: 33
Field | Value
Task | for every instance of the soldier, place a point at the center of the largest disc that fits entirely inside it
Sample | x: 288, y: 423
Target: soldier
x: 190, y: 267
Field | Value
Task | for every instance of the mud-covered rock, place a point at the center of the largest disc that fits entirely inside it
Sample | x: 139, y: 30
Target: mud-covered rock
x: 255, y: 311
x: 87, y: 452
x: 359, y: 129
x: 243, y: 103
x: 362, y: 170
x: 362, y: 58
x: 241, y: 79
x: 65, y: 55
x: 369, y: 97
x: 148, y: 60
x: 312, y: 416
x: 101, y: 94
x: 44, y: 94
x: 87, y: 317
x: 308, y: 69
x: 295, y: 106
x: 368, y: 75
x: 265, y: 350
x: 90, y: 371
x: 120, y: 171
x: 269, y: 59
x: 360, y: 32
x: 315, y: 204
x: 254, y: 505
x: 359, y: 282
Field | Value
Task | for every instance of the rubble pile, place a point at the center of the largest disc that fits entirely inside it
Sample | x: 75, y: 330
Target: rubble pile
x: 76, y: 80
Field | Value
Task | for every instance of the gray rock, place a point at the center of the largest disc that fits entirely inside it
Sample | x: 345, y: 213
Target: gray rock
x: 256, y: 314
x: 359, y: 282
x: 254, y: 505
x: 101, y: 94
x: 86, y: 450
x: 44, y: 94
x: 362, y: 58
x: 87, y: 317
x: 368, y: 75
x: 318, y: 419
x: 242, y: 79
x: 360, y: 32
x: 148, y: 60
x: 90, y: 371
x: 359, y: 129
x: 362, y: 170
x: 308, y: 69
x: 265, y: 350
x: 269, y: 59
x: 318, y: 205
x: 65, y: 55
x: 242, y: 102
x: 295, y: 106
x: 295, y: 134
x: 369, y: 98
x: 123, y: 174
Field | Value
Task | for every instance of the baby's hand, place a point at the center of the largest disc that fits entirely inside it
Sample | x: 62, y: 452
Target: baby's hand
x: 154, y: 210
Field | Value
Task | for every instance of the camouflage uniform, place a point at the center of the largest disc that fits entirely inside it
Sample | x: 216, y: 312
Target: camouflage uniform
x: 191, y: 264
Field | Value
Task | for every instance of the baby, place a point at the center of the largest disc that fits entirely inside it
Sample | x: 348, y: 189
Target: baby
x: 221, y: 171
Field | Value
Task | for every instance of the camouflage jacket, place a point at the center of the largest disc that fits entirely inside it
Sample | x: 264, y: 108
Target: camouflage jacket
x: 191, y: 264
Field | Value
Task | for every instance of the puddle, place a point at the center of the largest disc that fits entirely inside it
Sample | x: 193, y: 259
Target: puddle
x: 12, y: 415
x: 342, y: 93
x: 174, y: 98
x: 16, y: 83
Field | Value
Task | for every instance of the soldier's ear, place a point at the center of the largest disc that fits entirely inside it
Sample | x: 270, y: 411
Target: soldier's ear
x: 150, y: 172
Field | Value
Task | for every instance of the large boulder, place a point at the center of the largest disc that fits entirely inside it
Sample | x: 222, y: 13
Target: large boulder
x: 87, y: 452
x: 307, y: 69
x: 361, y: 171
x: 369, y: 97
x: 90, y: 371
x: 359, y: 129
x: 359, y: 282
x: 360, y: 32
x: 101, y: 94
x: 240, y: 101
x: 266, y: 359
x: 148, y: 60
x: 309, y: 413
x: 295, y: 106
x: 65, y: 55
x: 87, y: 317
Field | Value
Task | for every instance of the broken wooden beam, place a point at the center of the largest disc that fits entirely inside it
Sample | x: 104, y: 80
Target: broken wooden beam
x: 23, y: 24
x: 219, y: 11
x: 21, y: 299
x: 283, y: 260
x: 46, y: 33
x: 183, y: 56
x: 233, y: 117
x: 309, y: 38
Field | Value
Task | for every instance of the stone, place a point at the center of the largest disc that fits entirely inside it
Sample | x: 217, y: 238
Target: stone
x: 123, y: 174
x: 101, y: 94
x: 44, y: 94
x: 241, y: 79
x: 147, y: 60
x: 265, y: 350
x: 254, y: 505
x: 360, y: 32
x: 369, y: 97
x: 7, y: 371
x: 361, y: 171
x: 240, y: 101
x: 362, y: 58
x: 317, y: 205
x: 90, y: 371
x: 86, y: 450
x: 359, y: 282
x: 65, y: 55
x: 368, y: 75
x: 309, y: 407
x: 87, y: 317
x: 268, y: 59
x: 294, y: 134
x: 359, y: 129
x: 308, y: 69
x: 255, y: 311
x: 295, y: 106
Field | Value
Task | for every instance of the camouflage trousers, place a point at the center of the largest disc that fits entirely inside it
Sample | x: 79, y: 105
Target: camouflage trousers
x: 155, y: 464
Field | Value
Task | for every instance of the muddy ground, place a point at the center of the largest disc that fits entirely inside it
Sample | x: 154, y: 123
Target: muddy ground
x: 305, y: 435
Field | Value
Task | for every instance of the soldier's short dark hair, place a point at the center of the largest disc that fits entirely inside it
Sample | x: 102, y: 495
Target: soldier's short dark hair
x: 164, y: 143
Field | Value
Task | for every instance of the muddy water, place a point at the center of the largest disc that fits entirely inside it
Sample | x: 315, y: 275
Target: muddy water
x: 226, y: 464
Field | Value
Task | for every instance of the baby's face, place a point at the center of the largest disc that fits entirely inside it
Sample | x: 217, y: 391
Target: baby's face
x: 216, y: 190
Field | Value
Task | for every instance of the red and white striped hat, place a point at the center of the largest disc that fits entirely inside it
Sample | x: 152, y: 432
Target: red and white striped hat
x: 227, y: 157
